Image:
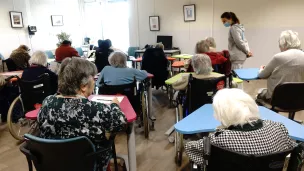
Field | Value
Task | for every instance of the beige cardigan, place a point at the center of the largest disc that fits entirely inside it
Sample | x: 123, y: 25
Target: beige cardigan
x: 182, y: 83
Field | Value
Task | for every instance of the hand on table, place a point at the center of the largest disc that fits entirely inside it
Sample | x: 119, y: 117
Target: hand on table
x: 115, y: 100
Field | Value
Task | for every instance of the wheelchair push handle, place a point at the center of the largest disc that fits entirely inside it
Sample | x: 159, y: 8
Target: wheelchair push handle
x: 10, y: 77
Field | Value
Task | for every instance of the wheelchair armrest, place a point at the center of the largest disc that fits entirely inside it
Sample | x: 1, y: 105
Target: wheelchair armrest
x: 10, y: 77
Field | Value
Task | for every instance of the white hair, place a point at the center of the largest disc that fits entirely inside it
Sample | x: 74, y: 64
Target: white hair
x: 201, y: 64
x: 234, y: 107
x: 159, y: 45
x: 118, y: 59
x: 289, y: 40
x: 201, y: 47
x: 39, y: 58
x: 211, y: 42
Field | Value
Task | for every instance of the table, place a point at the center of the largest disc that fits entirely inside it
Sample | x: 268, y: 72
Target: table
x: 247, y: 73
x: 130, y: 114
x: 168, y: 52
x: 202, y: 120
x: 183, y: 56
x: 12, y: 73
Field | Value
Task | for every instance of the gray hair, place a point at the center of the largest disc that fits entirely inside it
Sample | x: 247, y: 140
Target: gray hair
x: 159, y: 45
x: 201, y: 47
x: 211, y: 42
x: 289, y: 40
x: 74, y: 73
x: 118, y: 59
x: 201, y: 64
x: 39, y: 58
x: 234, y: 107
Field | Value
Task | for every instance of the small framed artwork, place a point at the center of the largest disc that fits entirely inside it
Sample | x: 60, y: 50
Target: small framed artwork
x: 154, y: 23
x: 189, y: 13
x: 57, y: 20
x: 16, y: 19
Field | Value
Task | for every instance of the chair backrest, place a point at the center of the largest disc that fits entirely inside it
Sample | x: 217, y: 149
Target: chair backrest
x: 131, y: 51
x: 289, y: 96
x: 10, y: 64
x: 223, y: 159
x: 155, y: 62
x: 49, y: 54
x: 102, y: 58
x: 201, y: 91
x: 80, y: 51
x: 59, y: 155
x: 129, y: 90
x: 34, y: 92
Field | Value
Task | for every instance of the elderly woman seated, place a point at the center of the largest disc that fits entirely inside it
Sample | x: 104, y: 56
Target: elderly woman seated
x: 118, y: 73
x: 286, y: 66
x: 38, y: 66
x: 71, y: 114
x: 20, y: 57
x: 202, y: 69
x: 211, y: 43
x: 202, y: 47
x: 242, y: 129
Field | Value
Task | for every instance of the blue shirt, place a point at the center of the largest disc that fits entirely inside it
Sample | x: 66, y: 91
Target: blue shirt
x: 1, y: 57
x: 120, y: 76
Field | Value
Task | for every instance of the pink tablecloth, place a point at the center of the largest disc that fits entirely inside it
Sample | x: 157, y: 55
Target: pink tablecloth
x: 125, y: 106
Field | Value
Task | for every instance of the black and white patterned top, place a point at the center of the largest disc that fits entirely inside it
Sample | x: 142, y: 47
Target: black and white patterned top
x: 62, y: 118
x: 270, y: 138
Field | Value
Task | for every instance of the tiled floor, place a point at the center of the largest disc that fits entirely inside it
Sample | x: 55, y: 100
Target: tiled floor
x: 155, y: 154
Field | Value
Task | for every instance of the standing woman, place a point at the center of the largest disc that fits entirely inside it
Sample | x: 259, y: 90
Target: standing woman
x: 237, y: 43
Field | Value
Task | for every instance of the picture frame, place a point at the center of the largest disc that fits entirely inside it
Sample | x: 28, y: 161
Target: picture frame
x: 57, y: 20
x: 154, y: 23
x: 189, y: 13
x: 16, y: 19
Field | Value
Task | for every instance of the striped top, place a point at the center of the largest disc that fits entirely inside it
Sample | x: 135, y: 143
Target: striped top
x: 287, y: 66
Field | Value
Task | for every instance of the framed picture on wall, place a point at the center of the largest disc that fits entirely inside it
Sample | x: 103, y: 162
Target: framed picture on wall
x: 16, y: 19
x: 57, y: 20
x: 154, y: 23
x: 189, y: 13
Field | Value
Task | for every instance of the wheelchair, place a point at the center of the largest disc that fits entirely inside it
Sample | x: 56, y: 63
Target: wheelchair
x: 199, y: 92
x: 138, y: 100
x: 218, y: 158
x: 32, y: 93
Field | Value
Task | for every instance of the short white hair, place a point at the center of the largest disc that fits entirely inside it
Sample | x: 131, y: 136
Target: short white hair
x: 211, y: 42
x: 234, y: 107
x: 289, y: 40
x: 201, y: 47
x: 201, y: 64
x: 118, y: 59
x: 39, y: 58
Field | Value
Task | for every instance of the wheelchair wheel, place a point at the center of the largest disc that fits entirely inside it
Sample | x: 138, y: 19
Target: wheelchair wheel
x: 17, y: 123
x: 145, y: 117
x: 179, y: 139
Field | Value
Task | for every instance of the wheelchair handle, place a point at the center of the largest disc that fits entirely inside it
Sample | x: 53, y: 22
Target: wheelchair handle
x: 10, y: 77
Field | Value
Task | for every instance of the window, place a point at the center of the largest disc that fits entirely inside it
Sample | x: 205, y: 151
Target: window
x: 108, y: 19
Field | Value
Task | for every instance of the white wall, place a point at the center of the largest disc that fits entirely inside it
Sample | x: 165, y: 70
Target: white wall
x: 38, y: 13
x: 263, y: 20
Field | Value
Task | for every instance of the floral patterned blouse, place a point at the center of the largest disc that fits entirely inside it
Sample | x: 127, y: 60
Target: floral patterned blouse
x: 62, y: 118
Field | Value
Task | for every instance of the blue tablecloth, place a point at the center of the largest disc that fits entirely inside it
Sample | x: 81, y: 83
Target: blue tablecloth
x: 202, y: 120
x: 247, y: 73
